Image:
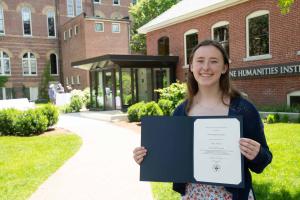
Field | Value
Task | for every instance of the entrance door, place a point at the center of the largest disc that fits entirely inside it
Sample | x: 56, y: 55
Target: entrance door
x: 109, y: 88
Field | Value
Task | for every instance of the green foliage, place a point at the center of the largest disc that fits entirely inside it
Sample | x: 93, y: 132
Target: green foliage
x: 78, y: 100
x: 46, y: 78
x: 133, y: 111
x: 8, y: 120
x: 31, y: 122
x: 150, y: 109
x: 175, y: 93
x: 285, y: 5
x: 280, y: 108
x: 3, y: 80
x: 166, y: 106
x: 51, y: 112
x: 298, y: 120
x: 277, y: 117
x: 271, y: 119
x: 143, y: 12
x: 285, y: 118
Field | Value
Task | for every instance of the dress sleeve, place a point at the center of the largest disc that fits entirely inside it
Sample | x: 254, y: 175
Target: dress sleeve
x: 254, y: 129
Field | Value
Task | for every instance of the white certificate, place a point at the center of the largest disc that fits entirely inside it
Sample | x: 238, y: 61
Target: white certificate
x: 217, y: 156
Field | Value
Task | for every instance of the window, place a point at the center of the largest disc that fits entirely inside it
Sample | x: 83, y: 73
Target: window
x: 163, y: 46
x: 116, y: 2
x: 78, y: 7
x: 78, y: 79
x: 115, y: 27
x: 26, y: 18
x: 31, y: 93
x: 97, y: 1
x: 71, y: 4
x: 76, y: 30
x: 258, y: 33
x: 65, y: 35
x: 190, y: 41
x: 4, y: 64
x: 1, y: 21
x: 29, y: 64
x: 134, y: 2
x: 53, y: 64
x: 293, y: 98
x: 220, y: 33
x: 67, y: 81
x: 51, y: 24
x: 72, y: 80
x: 70, y: 33
x: 99, y: 27
x: 6, y: 93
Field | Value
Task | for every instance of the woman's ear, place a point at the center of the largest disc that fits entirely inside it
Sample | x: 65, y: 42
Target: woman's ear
x: 225, y: 69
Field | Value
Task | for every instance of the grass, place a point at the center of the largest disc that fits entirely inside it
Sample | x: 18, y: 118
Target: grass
x: 279, y: 181
x: 26, y: 162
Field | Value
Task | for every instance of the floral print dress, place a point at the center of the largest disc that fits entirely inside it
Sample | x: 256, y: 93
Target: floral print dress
x: 196, y: 191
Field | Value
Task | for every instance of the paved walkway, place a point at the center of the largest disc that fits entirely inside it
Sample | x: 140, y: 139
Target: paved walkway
x: 103, y: 168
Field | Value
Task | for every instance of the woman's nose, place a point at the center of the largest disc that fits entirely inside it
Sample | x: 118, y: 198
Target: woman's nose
x: 205, y: 65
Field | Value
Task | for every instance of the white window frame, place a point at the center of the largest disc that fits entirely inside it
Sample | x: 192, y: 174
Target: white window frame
x: 259, y: 57
x: 75, y: 30
x: 189, y: 32
x: 54, y: 24
x: 72, y: 80
x: 78, y: 9
x: 112, y: 27
x: 56, y: 64
x: 70, y: 33
x: 78, y: 79
x: 22, y: 10
x: 119, y: 3
x: 67, y: 80
x: 71, y: 4
x: 2, y: 64
x: 2, y: 15
x: 102, y: 26
x: 33, y: 93
x: 29, y: 60
x: 217, y: 25
x: 288, y: 96
x: 65, y: 35
x: 97, y: 2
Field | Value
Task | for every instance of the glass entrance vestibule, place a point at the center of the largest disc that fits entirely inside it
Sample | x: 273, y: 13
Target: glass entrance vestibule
x: 118, y: 81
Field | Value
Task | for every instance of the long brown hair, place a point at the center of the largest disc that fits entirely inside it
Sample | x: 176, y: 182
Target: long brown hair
x: 225, y: 83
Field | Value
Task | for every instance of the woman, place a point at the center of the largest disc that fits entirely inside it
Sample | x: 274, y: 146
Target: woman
x: 211, y: 94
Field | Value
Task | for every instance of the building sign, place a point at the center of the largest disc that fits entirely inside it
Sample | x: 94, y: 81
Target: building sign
x: 268, y: 70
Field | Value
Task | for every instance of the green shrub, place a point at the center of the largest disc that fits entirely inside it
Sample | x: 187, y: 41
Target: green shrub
x: 166, y: 106
x: 285, y: 118
x: 276, y: 117
x: 298, y: 120
x: 280, y: 108
x: 150, y: 109
x: 8, y: 120
x: 133, y: 111
x: 51, y: 112
x: 175, y: 93
x: 270, y: 119
x: 31, y: 122
x: 76, y: 103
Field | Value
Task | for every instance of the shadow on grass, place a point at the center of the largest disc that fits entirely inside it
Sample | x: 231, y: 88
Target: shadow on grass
x: 264, y: 192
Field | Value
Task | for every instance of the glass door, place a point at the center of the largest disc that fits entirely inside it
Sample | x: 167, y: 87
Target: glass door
x: 109, y: 86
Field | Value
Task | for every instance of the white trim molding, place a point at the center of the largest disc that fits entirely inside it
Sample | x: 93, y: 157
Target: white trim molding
x: 218, y: 24
x: 298, y: 53
x: 260, y: 57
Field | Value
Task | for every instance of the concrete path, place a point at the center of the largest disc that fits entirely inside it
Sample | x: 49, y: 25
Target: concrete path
x: 103, y: 169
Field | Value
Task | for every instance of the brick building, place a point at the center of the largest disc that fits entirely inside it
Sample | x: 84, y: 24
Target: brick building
x: 32, y: 35
x: 263, y: 44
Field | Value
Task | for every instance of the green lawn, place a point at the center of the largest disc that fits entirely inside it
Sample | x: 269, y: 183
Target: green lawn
x: 26, y: 162
x: 280, y: 180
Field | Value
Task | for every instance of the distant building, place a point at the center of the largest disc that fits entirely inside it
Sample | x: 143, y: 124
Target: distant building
x: 34, y: 33
x: 263, y: 45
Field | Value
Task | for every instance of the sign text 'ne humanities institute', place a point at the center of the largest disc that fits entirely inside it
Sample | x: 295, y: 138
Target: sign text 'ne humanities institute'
x: 268, y: 70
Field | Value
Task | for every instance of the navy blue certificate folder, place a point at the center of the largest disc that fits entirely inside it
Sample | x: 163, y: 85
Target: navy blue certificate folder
x: 169, y: 144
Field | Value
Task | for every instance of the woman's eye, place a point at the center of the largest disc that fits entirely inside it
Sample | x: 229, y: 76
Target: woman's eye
x: 214, y: 61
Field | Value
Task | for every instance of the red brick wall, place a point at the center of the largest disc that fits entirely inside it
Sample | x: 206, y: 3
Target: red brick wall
x: 284, y: 43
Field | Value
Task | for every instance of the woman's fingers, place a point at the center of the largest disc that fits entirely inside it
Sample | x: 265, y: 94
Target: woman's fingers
x: 249, y: 148
x: 139, y: 153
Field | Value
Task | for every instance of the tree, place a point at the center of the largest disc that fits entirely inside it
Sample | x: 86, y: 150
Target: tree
x: 285, y: 5
x: 143, y: 12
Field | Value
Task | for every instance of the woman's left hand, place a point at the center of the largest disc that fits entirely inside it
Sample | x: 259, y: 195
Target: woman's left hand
x: 249, y: 148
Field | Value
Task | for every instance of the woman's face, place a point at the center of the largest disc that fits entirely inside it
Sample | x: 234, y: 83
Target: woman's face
x: 208, y: 65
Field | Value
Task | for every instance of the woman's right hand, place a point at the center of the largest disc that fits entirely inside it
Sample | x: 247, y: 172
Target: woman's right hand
x: 138, y: 154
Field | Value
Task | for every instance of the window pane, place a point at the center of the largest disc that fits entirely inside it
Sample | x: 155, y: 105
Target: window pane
x: 163, y: 46
x: 70, y: 8
x: 1, y: 93
x: 53, y: 63
x: 115, y: 28
x: 51, y: 24
x: 25, y: 55
x: 33, y: 66
x: 26, y: 16
x: 99, y: 27
x: 8, y: 93
x: 221, y: 35
x: 25, y: 66
x: 78, y: 7
x: 6, y: 66
x: 1, y: 21
x: 191, y: 42
x: 259, y: 35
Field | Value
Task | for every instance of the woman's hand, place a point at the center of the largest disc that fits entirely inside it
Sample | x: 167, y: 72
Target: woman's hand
x: 138, y: 154
x: 249, y: 148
